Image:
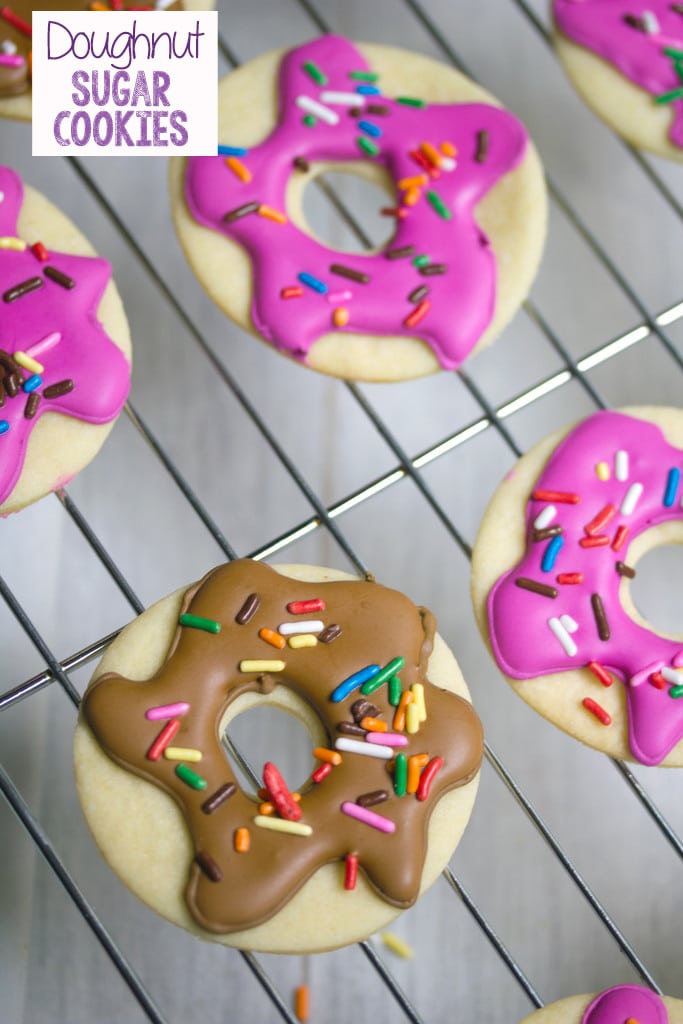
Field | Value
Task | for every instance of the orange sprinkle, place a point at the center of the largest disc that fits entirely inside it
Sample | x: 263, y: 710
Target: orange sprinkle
x: 238, y: 168
x: 399, y: 722
x: 340, y: 317
x: 448, y: 149
x: 272, y: 638
x: 412, y: 196
x: 296, y: 797
x: 266, y: 808
x: 415, y: 765
x: 329, y: 756
x: 431, y: 153
x: 302, y: 1002
x: 373, y: 724
x: 242, y: 840
x: 97, y: 6
x: 416, y: 180
x: 270, y: 213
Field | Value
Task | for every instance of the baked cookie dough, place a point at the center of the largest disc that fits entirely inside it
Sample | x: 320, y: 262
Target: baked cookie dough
x: 625, y: 58
x: 619, y: 1005
x: 551, y: 570
x: 65, y: 348
x: 15, y: 44
x: 464, y: 189
x: 380, y: 815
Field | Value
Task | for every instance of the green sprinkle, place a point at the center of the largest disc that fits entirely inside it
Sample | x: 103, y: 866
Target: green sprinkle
x: 368, y: 146
x: 400, y: 775
x: 676, y: 691
x: 197, y: 622
x: 410, y: 101
x: 670, y: 52
x: 422, y: 261
x: 439, y: 205
x: 394, y: 666
x: 364, y: 76
x: 190, y: 777
x: 395, y: 691
x: 314, y: 72
x: 669, y: 97
x: 309, y: 121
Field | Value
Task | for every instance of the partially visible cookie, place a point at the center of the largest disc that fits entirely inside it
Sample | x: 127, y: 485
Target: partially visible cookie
x: 551, y: 571
x: 625, y: 58
x: 623, y: 1004
x: 64, y: 347
x: 390, y: 792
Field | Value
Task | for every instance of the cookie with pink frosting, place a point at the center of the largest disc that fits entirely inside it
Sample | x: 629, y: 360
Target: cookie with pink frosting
x: 552, y: 572
x: 625, y: 58
x: 465, y: 209
x: 623, y: 1004
x: 64, y: 347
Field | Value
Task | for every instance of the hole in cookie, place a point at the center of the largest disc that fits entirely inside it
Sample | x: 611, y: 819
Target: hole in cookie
x: 329, y: 194
x: 654, y: 589
x: 278, y: 727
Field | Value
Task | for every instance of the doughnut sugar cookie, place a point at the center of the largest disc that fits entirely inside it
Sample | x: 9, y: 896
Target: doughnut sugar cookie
x: 396, y: 749
x: 15, y: 42
x: 465, y: 200
x: 625, y: 58
x: 64, y: 347
x: 554, y: 558
x: 623, y: 1004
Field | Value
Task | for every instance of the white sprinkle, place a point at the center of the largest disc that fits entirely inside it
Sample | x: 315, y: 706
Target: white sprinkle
x: 312, y: 106
x: 631, y: 500
x: 161, y: 5
x: 343, y: 99
x: 447, y: 163
x: 303, y: 626
x: 561, y: 634
x: 569, y: 623
x: 650, y: 23
x: 672, y: 676
x: 2, y: 196
x: 545, y: 517
x: 7, y: 46
x: 368, y: 749
x: 621, y: 465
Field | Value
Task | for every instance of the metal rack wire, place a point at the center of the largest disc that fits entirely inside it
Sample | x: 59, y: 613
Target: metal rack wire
x: 489, y: 417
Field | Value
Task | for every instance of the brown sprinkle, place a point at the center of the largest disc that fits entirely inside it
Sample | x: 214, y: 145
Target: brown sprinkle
x: 349, y: 729
x: 600, y: 617
x: 11, y: 386
x: 353, y: 275
x: 433, y: 268
x: 59, y: 278
x: 62, y: 387
x: 23, y: 289
x: 32, y: 403
x: 399, y: 254
x: 362, y: 708
x: 549, y: 531
x: 625, y: 570
x: 377, y: 108
x: 536, y: 588
x: 378, y: 796
x: 330, y: 633
x: 222, y: 794
x: 418, y: 294
x: 209, y: 866
x: 301, y: 164
x: 240, y: 211
x: 248, y: 610
x: 482, y: 147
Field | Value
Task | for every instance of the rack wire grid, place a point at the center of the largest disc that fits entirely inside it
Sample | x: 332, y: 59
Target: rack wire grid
x: 568, y: 877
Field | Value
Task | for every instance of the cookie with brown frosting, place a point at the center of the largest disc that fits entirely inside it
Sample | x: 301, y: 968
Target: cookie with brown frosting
x: 396, y: 752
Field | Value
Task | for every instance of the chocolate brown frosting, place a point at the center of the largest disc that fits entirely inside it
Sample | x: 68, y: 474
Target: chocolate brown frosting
x: 202, y: 669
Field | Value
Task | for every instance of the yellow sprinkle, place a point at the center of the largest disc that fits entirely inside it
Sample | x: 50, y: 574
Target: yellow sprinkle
x: 602, y: 471
x: 238, y: 168
x: 396, y: 945
x: 418, y: 692
x: 412, y: 719
x: 448, y: 149
x: 416, y: 181
x: 8, y: 242
x: 271, y: 214
x: 262, y: 665
x: 27, y: 362
x: 303, y: 640
x: 294, y: 828
x: 182, y: 754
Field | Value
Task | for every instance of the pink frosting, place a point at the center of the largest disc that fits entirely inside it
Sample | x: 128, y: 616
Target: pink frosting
x: 639, y: 54
x: 461, y: 300
x: 84, y: 354
x: 522, y: 640
x: 625, y: 1003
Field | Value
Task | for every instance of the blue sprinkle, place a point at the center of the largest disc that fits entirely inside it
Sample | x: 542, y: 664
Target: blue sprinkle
x: 672, y: 482
x: 370, y: 129
x: 33, y: 382
x: 368, y: 90
x: 313, y: 282
x: 4, y: 426
x: 232, y: 151
x: 342, y: 691
x: 551, y: 552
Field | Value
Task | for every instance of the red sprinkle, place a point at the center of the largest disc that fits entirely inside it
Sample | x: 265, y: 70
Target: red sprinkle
x: 427, y: 777
x: 400, y: 212
x: 619, y: 538
x: 601, y: 519
x: 163, y: 739
x: 598, y: 541
x: 291, y: 293
x: 563, y: 497
x: 419, y: 313
x: 658, y: 680
x: 13, y: 19
x: 350, y: 871
x: 596, y: 709
x: 279, y: 793
x: 321, y: 772
x: 316, y: 604
x: 40, y: 252
x: 569, y: 578
x: 424, y: 163
x: 602, y: 673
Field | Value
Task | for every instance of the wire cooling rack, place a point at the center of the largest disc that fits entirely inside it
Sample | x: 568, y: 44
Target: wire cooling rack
x: 568, y: 878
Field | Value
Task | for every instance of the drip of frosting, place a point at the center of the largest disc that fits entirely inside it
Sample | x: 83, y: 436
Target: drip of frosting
x: 599, y: 512
x: 329, y: 112
x: 643, y: 39
x: 218, y: 652
x: 48, y: 307
x: 625, y: 1003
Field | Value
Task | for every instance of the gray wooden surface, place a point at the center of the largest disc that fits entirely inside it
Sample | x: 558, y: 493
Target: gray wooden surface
x: 51, y: 967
